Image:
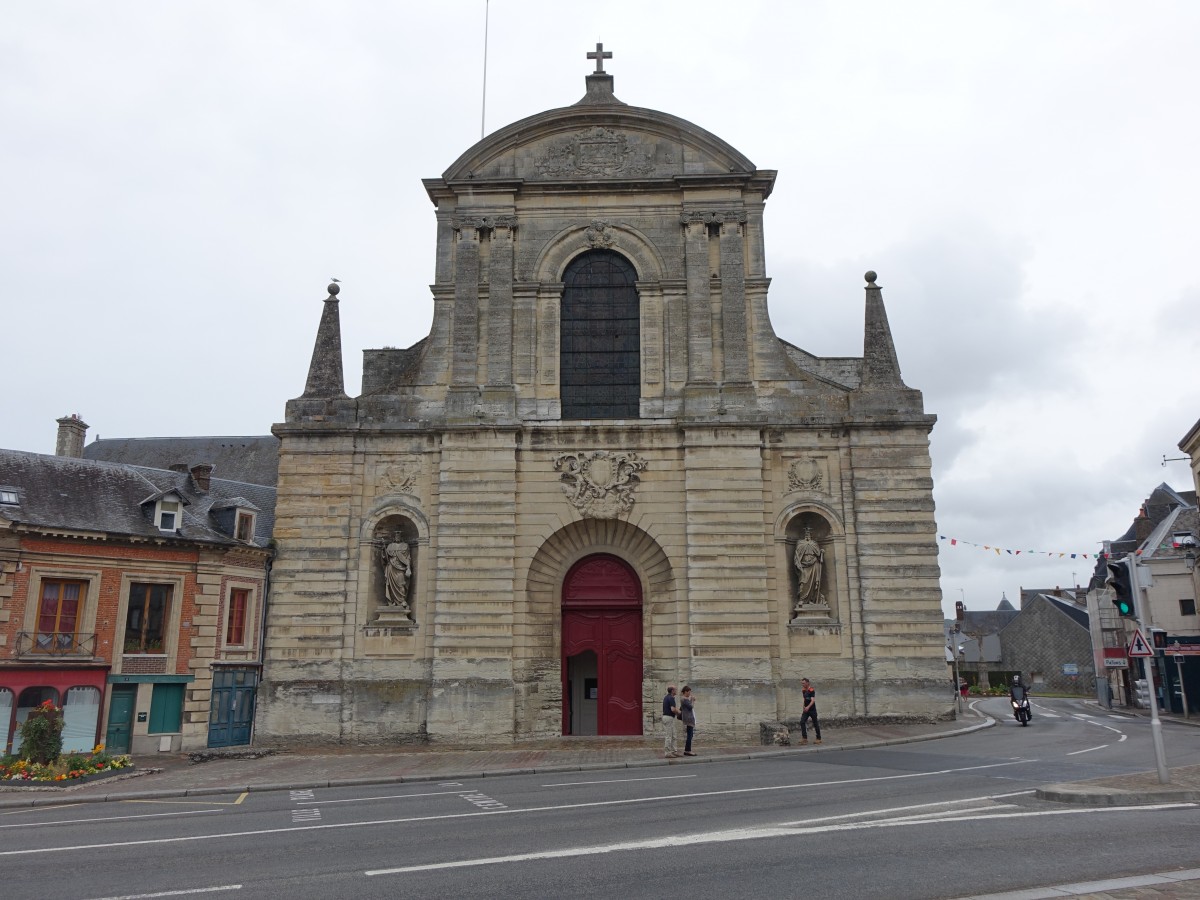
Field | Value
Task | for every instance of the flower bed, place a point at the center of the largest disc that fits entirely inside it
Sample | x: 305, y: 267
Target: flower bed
x: 69, y: 769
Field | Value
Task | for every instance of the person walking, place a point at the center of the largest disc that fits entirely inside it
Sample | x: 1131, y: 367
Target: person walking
x: 810, y: 711
x: 687, y: 711
x: 670, y: 712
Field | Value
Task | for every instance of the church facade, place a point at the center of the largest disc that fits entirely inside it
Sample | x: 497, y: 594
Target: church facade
x: 601, y: 472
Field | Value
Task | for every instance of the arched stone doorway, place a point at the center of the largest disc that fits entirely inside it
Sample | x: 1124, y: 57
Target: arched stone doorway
x: 602, y: 647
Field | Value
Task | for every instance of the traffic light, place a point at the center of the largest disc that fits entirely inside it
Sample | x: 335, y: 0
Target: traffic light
x: 1158, y: 638
x: 1121, y: 583
x: 960, y: 610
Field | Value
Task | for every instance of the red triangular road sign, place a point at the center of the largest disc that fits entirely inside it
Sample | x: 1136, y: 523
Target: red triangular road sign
x: 1138, y: 646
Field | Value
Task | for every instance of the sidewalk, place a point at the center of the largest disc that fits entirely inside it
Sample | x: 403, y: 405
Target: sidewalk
x: 175, y: 775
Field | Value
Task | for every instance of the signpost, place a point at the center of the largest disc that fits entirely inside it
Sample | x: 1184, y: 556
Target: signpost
x: 1139, y: 644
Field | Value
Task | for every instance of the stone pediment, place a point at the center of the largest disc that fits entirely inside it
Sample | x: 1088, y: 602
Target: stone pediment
x: 599, y: 143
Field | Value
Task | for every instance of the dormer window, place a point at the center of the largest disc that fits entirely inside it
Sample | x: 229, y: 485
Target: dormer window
x: 8, y: 496
x: 244, y: 530
x: 167, y: 513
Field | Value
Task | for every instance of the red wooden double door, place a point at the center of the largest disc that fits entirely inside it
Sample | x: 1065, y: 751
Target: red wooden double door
x: 602, y: 648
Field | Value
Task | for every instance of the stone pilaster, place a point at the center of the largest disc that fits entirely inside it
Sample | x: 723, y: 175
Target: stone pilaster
x: 699, y: 303
x: 465, y: 332
x: 500, y: 305
x: 733, y: 302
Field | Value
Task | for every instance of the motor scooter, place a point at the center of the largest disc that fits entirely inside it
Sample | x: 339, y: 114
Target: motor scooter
x: 1021, y: 709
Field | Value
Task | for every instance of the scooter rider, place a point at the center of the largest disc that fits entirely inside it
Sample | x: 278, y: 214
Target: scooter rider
x: 1018, y: 692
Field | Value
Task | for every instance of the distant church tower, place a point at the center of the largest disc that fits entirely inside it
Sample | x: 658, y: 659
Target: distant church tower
x: 601, y: 471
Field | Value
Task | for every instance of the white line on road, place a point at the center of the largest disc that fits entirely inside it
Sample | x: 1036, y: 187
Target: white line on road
x: 747, y: 834
x: 208, y: 890
x: 616, y: 780
x: 395, y: 797
x: 508, y: 812
x: 184, y: 812
x: 1088, y: 750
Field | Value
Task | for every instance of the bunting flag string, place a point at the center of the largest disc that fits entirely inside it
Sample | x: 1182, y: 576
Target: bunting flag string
x: 1002, y: 551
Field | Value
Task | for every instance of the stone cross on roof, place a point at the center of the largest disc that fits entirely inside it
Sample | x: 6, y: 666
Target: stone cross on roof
x: 599, y: 55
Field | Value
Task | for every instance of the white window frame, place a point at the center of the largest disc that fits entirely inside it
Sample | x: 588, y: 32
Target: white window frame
x: 161, y: 509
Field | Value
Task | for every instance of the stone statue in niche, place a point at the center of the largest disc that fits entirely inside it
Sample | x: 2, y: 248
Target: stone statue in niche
x: 809, y: 560
x: 397, y: 573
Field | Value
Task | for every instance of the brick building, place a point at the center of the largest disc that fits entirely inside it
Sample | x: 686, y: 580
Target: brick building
x: 132, y: 596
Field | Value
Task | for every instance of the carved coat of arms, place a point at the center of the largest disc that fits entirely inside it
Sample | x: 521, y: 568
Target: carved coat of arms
x: 401, y: 479
x: 600, y: 484
x: 596, y: 152
x: 805, y: 475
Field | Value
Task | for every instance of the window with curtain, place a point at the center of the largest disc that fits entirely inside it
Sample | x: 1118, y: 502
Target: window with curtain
x: 235, y: 629
x: 58, y: 614
x: 81, y: 715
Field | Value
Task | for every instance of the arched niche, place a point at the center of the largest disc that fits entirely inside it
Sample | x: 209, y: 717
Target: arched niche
x: 394, y: 566
x: 813, y: 546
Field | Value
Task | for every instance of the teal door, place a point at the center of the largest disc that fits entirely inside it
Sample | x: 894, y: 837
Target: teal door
x: 120, y: 718
x: 232, y: 711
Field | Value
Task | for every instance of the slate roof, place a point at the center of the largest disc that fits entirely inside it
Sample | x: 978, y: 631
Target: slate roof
x: 1076, y: 613
x: 253, y: 459
x: 60, y: 492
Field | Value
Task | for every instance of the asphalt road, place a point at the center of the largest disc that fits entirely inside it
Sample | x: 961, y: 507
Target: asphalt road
x: 938, y: 819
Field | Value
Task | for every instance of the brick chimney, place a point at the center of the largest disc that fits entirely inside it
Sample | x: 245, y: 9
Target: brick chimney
x: 1142, y: 526
x: 71, y: 433
x: 201, y: 473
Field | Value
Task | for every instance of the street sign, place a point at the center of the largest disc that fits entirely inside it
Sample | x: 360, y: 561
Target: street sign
x: 1111, y: 663
x: 1070, y: 668
x: 1138, y: 646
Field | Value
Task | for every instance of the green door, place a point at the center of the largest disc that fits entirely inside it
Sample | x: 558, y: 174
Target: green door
x: 232, y: 710
x: 120, y: 718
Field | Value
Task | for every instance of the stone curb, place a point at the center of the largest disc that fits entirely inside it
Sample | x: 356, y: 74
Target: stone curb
x: 57, y: 799
x: 1088, y: 796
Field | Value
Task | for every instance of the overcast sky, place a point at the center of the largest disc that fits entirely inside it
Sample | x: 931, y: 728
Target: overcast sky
x: 178, y: 182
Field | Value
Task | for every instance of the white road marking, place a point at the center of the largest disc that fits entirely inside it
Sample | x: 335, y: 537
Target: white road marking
x: 508, y: 812
x: 185, y: 812
x: 300, y: 796
x: 1088, y: 750
x: 392, y: 797
x: 483, y: 801
x: 306, y: 815
x: 747, y: 834
x: 616, y: 780
x: 208, y: 890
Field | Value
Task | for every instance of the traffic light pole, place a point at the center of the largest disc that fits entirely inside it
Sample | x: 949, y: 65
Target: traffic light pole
x: 1139, y: 601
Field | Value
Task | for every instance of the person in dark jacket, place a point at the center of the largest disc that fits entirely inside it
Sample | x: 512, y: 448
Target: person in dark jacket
x: 810, y: 711
x: 670, y: 713
x: 687, y: 707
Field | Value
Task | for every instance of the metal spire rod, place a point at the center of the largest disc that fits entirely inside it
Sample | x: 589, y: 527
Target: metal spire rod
x: 483, y: 111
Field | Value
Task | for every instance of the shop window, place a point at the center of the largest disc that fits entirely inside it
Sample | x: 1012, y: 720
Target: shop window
x: 239, y: 604
x: 6, y: 705
x: 81, y: 715
x: 166, y: 709
x: 29, y: 700
x: 147, y: 617
x: 58, y: 615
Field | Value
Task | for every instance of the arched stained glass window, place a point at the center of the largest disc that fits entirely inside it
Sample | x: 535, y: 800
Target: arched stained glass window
x: 600, y: 339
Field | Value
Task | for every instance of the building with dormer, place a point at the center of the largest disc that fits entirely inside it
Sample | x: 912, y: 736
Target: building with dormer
x: 132, y: 597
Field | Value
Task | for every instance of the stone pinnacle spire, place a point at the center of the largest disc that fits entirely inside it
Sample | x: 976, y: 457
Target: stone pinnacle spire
x: 881, y: 369
x: 325, y: 371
